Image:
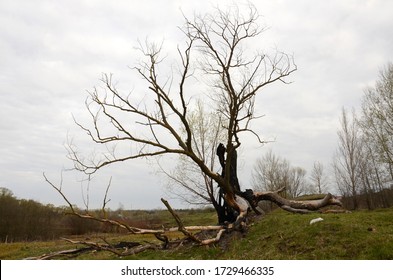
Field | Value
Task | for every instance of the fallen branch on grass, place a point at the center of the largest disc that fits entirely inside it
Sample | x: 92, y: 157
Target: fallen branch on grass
x: 70, y: 252
x: 297, y: 206
x: 120, y: 249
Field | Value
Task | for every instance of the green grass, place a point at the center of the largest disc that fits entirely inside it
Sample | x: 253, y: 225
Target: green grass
x: 282, y: 235
x: 21, y: 250
x: 278, y: 235
x: 358, y: 235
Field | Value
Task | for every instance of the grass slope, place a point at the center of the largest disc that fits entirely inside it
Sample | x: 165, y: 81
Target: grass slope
x: 282, y: 235
x: 278, y: 235
x: 358, y: 235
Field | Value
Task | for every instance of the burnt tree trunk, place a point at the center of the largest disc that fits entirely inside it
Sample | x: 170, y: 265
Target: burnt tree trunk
x: 224, y: 211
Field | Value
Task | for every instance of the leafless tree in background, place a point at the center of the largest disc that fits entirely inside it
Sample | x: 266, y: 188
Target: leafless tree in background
x: 318, y: 178
x: 348, y: 157
x: 376, y: 122
x: 377, y: 119
x: 297, y: 181
x: 272, y: 173
x: 186, y: 180
x: 363, y: 162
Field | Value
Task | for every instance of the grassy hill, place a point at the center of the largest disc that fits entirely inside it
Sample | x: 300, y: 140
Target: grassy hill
x: 278, y: 235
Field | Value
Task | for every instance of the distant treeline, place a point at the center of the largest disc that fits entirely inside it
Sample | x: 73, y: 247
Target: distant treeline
x: 370, y: 199
x: 29, y: 220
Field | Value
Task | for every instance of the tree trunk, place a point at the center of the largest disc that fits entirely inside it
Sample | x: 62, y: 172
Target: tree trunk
x: 228, y: 209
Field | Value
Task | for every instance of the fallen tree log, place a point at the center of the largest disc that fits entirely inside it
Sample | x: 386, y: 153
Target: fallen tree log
x: 297, y: 206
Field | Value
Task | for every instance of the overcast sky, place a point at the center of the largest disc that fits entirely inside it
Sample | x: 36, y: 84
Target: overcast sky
x: 51, y: 52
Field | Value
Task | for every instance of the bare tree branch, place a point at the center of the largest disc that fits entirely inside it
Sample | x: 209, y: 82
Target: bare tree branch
x: 297, y: 206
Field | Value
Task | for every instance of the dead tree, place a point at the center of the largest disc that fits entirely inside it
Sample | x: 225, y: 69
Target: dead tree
x: 215, y: 48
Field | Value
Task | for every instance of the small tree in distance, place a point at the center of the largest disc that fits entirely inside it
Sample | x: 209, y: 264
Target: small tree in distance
x: 186, y: 181
x: 273, y: 173
x: 318, y: 178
